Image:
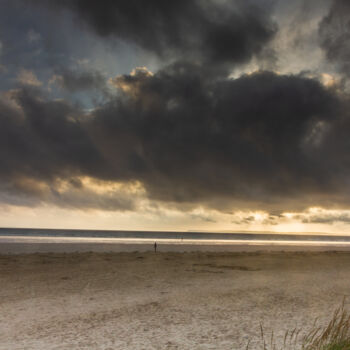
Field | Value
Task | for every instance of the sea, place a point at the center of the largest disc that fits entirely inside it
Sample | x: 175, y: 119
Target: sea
x: 176, y: 236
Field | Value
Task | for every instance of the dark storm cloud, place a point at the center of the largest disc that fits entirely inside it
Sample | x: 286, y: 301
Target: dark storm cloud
x: 187, y: 138
x: 334, y: 31
x: 216, y: 33
x: 189, y: 134
x: 42, y: 139
x: 263, y: 141
x: 42, y: 143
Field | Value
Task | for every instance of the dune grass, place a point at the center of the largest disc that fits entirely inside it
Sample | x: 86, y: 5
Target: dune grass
x: 334, y: 336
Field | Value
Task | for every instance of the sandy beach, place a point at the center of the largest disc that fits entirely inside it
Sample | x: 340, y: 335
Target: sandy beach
x: 168, y: 300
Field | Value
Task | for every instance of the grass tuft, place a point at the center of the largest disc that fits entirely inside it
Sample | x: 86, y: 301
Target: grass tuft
x: 334, y: 336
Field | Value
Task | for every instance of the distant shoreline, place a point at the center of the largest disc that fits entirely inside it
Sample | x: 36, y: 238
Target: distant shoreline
x: 174, y: 235
x: 30, y: 245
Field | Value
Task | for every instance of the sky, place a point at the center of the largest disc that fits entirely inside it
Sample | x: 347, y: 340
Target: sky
x: 209, y: 115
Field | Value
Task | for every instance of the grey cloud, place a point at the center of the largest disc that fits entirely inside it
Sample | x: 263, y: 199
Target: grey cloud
x: 245, y: 220
x: 201, y: 217
x: 82, y: 80
x: 188, y: 133
x: 43, y: 138
x: 44, y: 142
x: 334, y: 32
x: 189, y: 138
x: 213, y: 32
x: 86, y: 198
x: 29, y: 193
x: 327, y: 218
x: 250, y: 219
x: 261, y: 141
x: 48, y: 42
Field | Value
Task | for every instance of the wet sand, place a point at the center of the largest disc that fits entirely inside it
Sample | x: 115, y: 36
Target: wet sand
x: 198, y: 300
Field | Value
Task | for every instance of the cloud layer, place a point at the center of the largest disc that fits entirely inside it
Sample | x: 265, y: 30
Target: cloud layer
x: 261, y: 140
x: 189, y: 134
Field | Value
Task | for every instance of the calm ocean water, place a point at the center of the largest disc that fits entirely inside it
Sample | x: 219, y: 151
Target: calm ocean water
x: 158, y: 235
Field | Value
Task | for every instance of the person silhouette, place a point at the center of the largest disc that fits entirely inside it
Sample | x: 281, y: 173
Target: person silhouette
x: 155, y: 247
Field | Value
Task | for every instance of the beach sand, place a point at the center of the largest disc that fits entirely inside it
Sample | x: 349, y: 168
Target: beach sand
x: 167, y: 300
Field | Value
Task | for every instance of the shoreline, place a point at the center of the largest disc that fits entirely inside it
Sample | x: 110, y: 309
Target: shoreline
x: 30, y: 245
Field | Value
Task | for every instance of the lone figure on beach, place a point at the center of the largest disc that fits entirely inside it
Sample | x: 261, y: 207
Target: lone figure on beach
x: 155, y: 247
